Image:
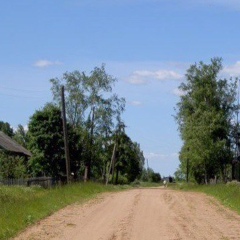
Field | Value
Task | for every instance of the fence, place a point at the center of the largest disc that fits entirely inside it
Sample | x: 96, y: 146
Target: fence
x: 45, y: 182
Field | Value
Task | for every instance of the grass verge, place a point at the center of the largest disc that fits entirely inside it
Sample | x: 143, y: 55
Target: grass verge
x: 227, y: 194
x: 22, y: 206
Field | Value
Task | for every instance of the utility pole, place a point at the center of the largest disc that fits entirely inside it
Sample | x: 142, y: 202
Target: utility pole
x: 65, y: 134
x: 115, y: 149
x: 187, y: 167
x: 111, y: 164
x: 87, y: 172
x: 147, y: 170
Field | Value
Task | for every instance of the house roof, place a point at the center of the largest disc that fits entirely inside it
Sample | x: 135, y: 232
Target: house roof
x: 10, y: 145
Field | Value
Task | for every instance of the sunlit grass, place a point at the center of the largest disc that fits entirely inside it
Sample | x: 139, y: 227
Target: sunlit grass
x: 22, y: 206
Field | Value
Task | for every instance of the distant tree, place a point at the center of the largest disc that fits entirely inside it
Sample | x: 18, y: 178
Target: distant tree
x: 129, y: 158
x: 20, y: 136
x: 47, y: 144
x: 6, y: 128
x: 148, y: 175
x: 179, y: 175
x: 156, y: 177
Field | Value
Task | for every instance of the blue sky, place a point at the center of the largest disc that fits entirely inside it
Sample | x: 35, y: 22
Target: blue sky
x: 146, y: 44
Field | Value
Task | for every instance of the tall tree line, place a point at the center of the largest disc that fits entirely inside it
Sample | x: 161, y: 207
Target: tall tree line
x: 94, y: 117
x: 96, y: 133
x: 205, y: 116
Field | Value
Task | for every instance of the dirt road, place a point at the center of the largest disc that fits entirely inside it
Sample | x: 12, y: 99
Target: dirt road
x: 140, y: 214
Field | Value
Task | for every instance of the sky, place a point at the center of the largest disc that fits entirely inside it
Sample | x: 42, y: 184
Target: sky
x: 146, y: 44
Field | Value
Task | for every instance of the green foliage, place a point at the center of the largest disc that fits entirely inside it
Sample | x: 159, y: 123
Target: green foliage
x: 156, y: 177
x: 12, y: 166
x: 204, y: 116
x: 179, y: 175
x: 122, y: 180
x: 92, y: 110
x: 75, y: 100
x: 47, y: 144
x: 20, y: 136
x: 21, y: 206
x: 148, y: 175
x: 130, y: 159
x: 6, y: 128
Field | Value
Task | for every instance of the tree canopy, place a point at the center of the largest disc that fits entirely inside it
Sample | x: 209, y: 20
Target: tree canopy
x: 204, y: 115
x: 95, y: 133
x: 90, y: 108
x: 6, y: 128
x: 47, y: 144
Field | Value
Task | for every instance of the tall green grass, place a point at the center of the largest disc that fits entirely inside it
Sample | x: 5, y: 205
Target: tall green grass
x: 227, y: 194
x: 22, y: 206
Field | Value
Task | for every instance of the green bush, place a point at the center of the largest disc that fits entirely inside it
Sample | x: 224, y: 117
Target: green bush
x: 12, y: 166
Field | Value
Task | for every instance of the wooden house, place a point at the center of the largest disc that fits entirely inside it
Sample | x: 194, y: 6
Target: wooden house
x: 10, y: 146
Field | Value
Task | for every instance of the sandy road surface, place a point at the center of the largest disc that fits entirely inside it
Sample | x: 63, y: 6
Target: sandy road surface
x: 140, y: 214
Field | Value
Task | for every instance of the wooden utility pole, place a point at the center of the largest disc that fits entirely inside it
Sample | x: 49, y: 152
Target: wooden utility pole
x: 87, y: 172
x: 147, y: 170
x: 65, y: 134
x: 115, y: 149
x: 187, y: 177
x: 111, y: 164
x: 187, y: 169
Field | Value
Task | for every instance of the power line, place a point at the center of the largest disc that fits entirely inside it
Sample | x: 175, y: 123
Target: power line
x: 22, y: 90
x: 21, y: 96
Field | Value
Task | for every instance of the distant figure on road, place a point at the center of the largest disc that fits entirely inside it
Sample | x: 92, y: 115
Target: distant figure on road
x: 165, y: 183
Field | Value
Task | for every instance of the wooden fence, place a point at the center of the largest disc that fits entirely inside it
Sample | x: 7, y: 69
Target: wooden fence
x: 45, y: 182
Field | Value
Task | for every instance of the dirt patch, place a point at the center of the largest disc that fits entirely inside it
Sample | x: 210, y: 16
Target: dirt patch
x: 140, y: 214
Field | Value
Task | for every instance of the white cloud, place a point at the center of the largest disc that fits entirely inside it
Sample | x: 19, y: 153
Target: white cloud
x: 144, y: 76
x: 235, y: 4
x: 46, y: 63
x: 135, y: 103
x: 137, y: 80
x: 232, y: 4
x: 25, y: 128
x: 233, y: 70
x: 160, y: 156
x: 178, y: 92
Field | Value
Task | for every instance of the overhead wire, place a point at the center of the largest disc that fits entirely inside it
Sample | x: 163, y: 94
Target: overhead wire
x: 21, y: 93
x: 20, y: 89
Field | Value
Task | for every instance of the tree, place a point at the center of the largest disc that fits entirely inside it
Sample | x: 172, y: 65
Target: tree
x: 179, y: 175
x: 129, y: 158
x: 20, y: 136
x: 6, y: 128
x: 75, y: 99
x: 91, y: 108
x: 204, y: 116
x: 12, y: 166
x: 148, y: 175
x: 47, y: 144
